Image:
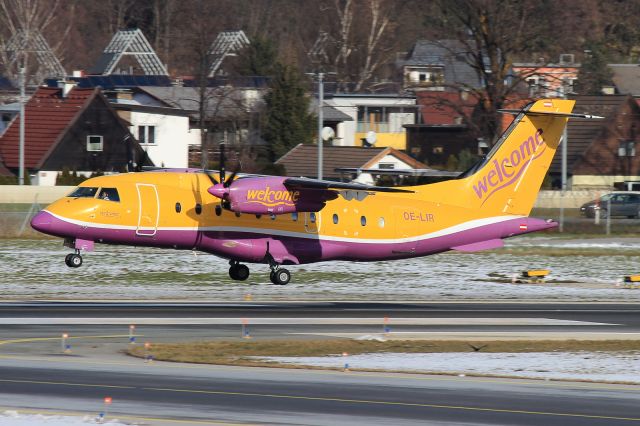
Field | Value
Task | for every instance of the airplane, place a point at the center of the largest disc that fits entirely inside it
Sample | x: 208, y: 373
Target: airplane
x: 281, y: 221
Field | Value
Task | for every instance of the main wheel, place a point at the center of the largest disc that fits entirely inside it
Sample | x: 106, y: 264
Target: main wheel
x: 75, y: 260
x: 239, y: 272
x: 280, y: 277
x: 67, y: 260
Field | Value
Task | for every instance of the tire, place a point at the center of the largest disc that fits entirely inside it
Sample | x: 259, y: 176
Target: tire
x: 281, y: 277
x: 67, y: 260
x: 75, y: 261
x: 242, y: 272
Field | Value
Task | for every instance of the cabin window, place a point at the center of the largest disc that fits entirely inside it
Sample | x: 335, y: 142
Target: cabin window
x: 381, y: 222
x: 94, y: 143
x: 258, y: 216
x: 312, y: 217
x: 218, y: 210
x: 109, y: 194
x: 335, y: 218
x: 198, y: 208
x: 363, y: 221
x: 147, y: 134
x: 178, y: 207
x: 294, y: 216
x: 273, y: 216
x: 237, y: 214
x: 84, y: 192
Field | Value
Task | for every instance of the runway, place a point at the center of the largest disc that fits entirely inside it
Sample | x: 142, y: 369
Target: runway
x: 34, y: 373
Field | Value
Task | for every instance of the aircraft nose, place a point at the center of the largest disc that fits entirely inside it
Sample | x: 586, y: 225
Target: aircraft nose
x: 41, y: 221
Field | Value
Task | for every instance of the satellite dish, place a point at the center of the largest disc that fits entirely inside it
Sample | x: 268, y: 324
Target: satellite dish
x: 371, y: 137
x: 327, y: 133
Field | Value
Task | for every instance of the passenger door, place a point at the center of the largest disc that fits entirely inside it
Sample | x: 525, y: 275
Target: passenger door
x: 148, y: 209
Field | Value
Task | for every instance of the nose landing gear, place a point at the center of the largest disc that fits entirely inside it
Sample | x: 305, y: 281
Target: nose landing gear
x: 73, y: 260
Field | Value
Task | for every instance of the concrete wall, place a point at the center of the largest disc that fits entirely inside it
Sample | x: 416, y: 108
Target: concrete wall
x: 571, y: 199
x: 29, y: 194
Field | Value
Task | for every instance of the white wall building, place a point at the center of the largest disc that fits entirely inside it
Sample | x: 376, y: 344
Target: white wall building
x: 162, y: 132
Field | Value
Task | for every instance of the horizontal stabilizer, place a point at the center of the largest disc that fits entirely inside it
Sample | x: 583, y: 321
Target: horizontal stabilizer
x: 482, y: 245
x: 551, y: 113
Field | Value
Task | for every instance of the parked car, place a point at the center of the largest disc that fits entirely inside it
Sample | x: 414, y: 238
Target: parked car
x: 625, y: 203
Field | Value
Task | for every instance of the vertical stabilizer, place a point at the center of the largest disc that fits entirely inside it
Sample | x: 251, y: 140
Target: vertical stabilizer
x: 507, y: 181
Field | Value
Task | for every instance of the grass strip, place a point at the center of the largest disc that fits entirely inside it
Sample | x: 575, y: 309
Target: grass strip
x: 241, y: 352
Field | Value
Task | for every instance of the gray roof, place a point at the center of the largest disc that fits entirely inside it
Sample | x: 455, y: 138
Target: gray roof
x: 626, y: 77
x: 450, y: 54
x: 329, y: 113
x: 221, y: 102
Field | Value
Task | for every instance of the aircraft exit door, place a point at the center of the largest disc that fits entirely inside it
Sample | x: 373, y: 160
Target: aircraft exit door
x: 148, y: 209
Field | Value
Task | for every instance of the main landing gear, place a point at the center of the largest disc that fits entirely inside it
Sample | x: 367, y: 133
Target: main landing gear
x: 278, y: 276
x: 238, y: 271
x: 73, y: 260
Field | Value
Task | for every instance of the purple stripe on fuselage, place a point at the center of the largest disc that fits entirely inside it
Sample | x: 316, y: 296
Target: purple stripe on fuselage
x: 252, y: 246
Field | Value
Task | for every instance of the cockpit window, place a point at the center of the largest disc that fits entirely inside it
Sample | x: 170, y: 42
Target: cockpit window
x: 84, y: 192
x: 109, y: 194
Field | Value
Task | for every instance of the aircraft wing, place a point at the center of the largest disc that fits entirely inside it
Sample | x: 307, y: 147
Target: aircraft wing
x: 306, y: 183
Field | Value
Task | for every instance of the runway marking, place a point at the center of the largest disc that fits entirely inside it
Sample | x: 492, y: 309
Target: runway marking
x: 88, y: 385
x: 402, y: 404
x: 515, y: 321
x: 44, y: 339
x: 354, y: 373
x: 121, y: 416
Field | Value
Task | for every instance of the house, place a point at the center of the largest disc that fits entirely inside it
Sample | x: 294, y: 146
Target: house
x: 231, y: 114
x: 333, y: 118
x: 163, y: 131
x: 302, y: 161
x: 438, y: 65
x: 384, y: 114
x: 601, y: 154
x: 73, y: 129
x: 549, y: 80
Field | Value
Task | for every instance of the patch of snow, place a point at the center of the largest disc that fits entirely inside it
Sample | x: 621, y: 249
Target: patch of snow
x: 591, y: 366
x: 13, y: 418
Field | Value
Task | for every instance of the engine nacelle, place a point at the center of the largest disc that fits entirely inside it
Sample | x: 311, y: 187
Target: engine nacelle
x: 269, y: 195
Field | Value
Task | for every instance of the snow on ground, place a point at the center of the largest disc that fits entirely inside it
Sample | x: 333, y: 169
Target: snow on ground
x: 591, y: 366
x: 35, y: 269
x: 13, y: 418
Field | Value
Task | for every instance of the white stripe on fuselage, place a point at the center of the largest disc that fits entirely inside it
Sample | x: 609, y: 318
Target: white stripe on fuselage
x: 465, y: 226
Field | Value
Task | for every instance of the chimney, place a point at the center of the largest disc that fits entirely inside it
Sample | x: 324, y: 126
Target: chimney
x: 66, y: 86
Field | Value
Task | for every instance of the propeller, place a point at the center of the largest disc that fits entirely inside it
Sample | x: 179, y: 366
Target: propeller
x: 221, y: 189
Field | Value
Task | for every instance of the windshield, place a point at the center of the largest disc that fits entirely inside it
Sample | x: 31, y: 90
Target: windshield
x: 84, y: 192
x: 109, y: 194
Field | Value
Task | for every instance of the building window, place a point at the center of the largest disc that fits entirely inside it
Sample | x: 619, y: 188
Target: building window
x: 94, y: 143
x: 147, y: 134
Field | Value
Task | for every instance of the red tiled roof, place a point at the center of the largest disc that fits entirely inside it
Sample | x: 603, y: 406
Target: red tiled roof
x: 48, y: 115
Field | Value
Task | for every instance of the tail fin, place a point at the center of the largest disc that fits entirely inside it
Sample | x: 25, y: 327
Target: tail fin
x: 507, y: 181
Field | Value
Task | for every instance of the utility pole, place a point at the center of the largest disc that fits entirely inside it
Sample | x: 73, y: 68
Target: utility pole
x: 320, y: 121
x: 22, y: 120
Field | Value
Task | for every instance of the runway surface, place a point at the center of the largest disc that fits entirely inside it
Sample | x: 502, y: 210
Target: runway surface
x: 35, y: 373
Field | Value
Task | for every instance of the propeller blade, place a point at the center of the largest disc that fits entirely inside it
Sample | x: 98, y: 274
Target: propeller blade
x: 222, y: 160
x: 211, y: 178
x: 229, y: 181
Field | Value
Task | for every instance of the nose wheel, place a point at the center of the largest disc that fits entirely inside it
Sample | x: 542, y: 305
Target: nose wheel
x: 73, y: 260
x: 238, y: 271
